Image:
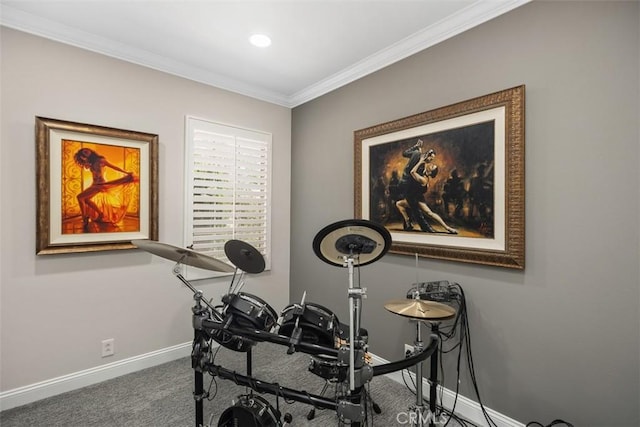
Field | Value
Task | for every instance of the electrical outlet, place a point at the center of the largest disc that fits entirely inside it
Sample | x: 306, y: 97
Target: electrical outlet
x: 408, y: 349
x: 108, y: 348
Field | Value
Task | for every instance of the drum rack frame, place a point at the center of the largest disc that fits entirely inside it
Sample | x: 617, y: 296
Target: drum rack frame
x: 347, y: 240
x: 204, y: 328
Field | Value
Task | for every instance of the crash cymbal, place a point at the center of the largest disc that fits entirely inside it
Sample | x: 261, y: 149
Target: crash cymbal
x: 420, y: 309
x: 183, y: 256
x: 365, y: 240
x: 244, y: 256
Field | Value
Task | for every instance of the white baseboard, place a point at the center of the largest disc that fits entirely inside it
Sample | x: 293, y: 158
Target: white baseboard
x: 465, y: 407
x: 31, y: 393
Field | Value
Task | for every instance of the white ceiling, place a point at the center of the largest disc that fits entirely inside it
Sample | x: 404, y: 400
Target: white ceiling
x: 318, y: 45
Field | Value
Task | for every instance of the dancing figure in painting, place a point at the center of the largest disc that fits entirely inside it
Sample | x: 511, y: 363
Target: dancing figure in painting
x: 104, y: 209
x: 429, y: 171
x: 410, y: 190
x: 421, y: 172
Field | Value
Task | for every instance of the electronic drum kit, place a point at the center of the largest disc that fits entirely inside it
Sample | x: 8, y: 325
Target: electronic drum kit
x: 339, y: 351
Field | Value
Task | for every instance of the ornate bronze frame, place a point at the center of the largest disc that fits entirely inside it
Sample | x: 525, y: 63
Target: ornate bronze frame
x: 512, y: 255
x: 44, y: 128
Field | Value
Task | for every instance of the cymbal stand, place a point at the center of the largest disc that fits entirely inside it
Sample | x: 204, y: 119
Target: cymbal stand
x: 198, y: 354
x: 419, y: 419
x: 176, y: 272
x: 200, y: 343
x: 433, y: 374
x: 234, y: 289
x: 355, y: 295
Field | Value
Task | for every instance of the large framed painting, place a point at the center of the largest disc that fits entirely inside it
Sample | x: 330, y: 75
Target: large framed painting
x: 97, y: 187
x: 449, y: 183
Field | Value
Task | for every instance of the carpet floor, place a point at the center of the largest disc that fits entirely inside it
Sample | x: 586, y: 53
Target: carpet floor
x: 163, y: 396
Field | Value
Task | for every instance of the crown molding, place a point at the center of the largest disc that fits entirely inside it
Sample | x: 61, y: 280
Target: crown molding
x: 476, y: 14
x: 472, y: 16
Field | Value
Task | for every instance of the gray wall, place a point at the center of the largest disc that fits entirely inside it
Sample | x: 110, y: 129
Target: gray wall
x: 561, y: 338
x: 56, y: 309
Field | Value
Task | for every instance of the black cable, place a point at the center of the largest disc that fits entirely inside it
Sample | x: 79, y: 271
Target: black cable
x: 450, y: 413
x: 213, y: 378
x: 553, y: 423
x: 412, y: 382
x: 209, y: 396
x: 467, y: 339
x: 214, y: 354
x: 369, y: 399
x: 462, y: 312
x: 455, y: 400
x: 441, y: 360
x: 460, y: 327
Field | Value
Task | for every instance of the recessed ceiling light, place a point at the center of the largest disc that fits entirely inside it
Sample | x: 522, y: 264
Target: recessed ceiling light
x: 260, y: 40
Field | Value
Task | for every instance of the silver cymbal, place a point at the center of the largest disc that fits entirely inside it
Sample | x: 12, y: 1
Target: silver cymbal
x: 420, y: 309
x: 183, y: 256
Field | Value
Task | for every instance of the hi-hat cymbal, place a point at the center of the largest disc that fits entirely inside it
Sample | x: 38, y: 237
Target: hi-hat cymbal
x: 420, y: 309
x: 183, y: 256
x: 244, y: 256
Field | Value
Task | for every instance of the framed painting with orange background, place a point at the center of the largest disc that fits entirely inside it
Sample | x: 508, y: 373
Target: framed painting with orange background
x: 97, y: 187
x: 448, y: 183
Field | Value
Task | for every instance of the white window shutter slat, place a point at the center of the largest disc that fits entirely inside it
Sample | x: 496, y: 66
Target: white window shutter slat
x: 228, y: 186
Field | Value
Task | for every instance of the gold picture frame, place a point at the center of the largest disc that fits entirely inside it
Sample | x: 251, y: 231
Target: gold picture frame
x: 97, y: 187
x: 474, y: 179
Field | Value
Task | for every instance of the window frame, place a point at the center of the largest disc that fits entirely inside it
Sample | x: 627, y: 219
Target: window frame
x: 192, y: 125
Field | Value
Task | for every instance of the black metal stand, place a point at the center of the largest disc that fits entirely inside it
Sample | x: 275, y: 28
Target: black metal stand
x: 433, y: 376
x: 197, y: 394
x: 419, y: 418
x: 205, y: 328
x: 199, y: 350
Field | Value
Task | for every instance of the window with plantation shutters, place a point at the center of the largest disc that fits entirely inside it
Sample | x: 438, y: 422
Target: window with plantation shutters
x: 228, y: 183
